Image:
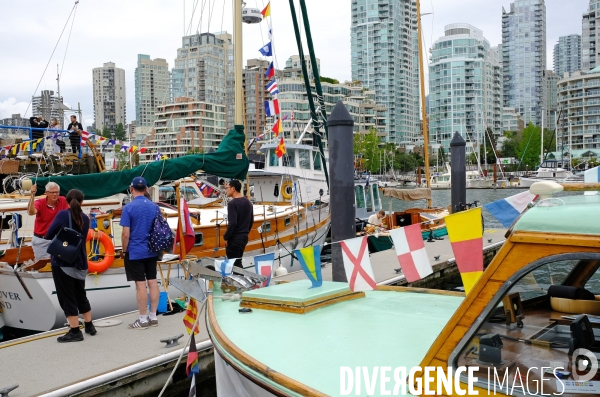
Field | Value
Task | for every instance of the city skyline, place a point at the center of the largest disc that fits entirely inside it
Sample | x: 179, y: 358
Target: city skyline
x: 26, y: 58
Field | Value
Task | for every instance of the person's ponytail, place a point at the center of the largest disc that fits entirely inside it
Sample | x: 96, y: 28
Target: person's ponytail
x: 74, y: 199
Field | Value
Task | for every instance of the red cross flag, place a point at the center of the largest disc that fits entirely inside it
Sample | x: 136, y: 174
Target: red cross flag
x: 410, y: 249
x: 357, y: 264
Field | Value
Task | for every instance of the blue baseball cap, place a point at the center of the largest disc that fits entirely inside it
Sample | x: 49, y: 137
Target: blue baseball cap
x: 139, y: 183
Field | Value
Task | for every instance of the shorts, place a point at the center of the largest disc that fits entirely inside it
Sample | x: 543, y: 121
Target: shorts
x: 140, y: 269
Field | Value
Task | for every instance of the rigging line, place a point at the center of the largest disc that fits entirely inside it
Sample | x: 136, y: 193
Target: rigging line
x: 199, y: 27
x: 51, y: 55
x: 262, y: 39
x: 222, y: 16
x: 189, y: 29
x: 210, y: 13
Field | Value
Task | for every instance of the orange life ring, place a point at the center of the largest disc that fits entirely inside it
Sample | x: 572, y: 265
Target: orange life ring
x: 109, y: 251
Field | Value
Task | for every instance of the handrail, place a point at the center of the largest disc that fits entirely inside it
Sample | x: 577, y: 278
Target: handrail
x: 31, y: 129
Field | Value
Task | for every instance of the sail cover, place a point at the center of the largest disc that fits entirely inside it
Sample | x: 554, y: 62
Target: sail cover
x: 408, y: 194
x: 228, y: 161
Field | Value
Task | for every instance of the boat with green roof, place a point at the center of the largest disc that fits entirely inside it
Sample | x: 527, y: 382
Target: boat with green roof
x: 532, y: 320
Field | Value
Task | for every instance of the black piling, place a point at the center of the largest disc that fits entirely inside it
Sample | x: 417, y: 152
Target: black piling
x: 341, y: 166
x: 458, y: 172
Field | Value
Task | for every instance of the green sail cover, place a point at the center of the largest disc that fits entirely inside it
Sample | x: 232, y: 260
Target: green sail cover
x: 228, y: 161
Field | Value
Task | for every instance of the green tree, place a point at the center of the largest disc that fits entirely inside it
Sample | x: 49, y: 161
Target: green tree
x: 405, y: 162
x: 367, y: 147
x: 122, y: 159
x: 195, y: 151
x: 106, y: 132
x: 529, y: 148
x: 120, y: 132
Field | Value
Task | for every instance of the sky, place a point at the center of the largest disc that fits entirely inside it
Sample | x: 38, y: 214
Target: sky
x: 99, y: 31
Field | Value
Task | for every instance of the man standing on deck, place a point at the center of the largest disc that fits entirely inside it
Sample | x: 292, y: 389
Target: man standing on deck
x: 75, y: 135
x: 44, y: 209
x: 240, y: 217
x: 140, y: 263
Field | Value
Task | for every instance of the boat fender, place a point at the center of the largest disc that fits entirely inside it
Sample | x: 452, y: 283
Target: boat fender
x: 287, y: 188
x: 109, y: 251
x: 276, y: 190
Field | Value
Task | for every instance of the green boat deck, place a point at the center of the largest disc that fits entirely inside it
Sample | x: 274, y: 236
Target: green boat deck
x: 345, y: 334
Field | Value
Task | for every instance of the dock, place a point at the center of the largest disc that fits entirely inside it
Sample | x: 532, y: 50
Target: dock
x: 120, y: 361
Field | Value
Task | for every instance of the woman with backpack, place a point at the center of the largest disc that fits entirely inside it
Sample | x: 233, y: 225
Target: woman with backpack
x: 69, y: 272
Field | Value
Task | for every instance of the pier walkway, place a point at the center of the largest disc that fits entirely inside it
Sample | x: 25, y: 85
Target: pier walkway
x: 120, y: 361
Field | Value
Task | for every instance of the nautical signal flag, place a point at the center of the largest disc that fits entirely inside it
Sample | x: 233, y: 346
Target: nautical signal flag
x: 264, y: 266
x: 508, y: 209
x: 272, y: 87
x: 272, y: 107
x: 277, y: 129
x: 408, y: 242
x: 357, y: 264
x: 185, y: 222
x: 465, y: 231
x: 280, y: 149
x: 266, y: 12
x: 267, y: 50
x: 192, y: 367
x: 270, y: 72
x: 84, y: 137
x: 225, y: 266
x: 190, y: 316
x: 310, y: 260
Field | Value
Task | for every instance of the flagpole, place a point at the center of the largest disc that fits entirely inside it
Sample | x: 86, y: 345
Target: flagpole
x: 182, y: 251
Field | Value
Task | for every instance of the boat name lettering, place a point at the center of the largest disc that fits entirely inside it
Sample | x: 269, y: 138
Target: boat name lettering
x: 13, y: 296
x: 5, y: 305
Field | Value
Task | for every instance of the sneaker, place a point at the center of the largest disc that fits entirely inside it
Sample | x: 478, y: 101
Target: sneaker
x: 153, y: 323
x: 70, y: 337
x: 137, y: 324
x: 90, y: 329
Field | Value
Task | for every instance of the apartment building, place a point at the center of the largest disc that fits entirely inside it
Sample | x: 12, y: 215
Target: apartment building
x: 110, y: 101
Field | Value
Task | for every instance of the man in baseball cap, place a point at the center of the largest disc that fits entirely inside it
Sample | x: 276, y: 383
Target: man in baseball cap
x: 140, y: 261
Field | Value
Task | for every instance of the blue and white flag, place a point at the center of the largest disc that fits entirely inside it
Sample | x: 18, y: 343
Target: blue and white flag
x: 267, y: 50
x: 158, y: 156
x: 225, y: 266
x: 272, y: 87
x: 507, y: 210
x: 591, y: 176
x: 264, y: 266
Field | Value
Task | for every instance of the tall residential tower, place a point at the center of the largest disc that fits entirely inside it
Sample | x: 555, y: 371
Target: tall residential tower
x: 567, y: 54
x: 109, y: 96
x: 524, y: 58
x: 465, y: 87
x: 589, y: 39
x: 151, y: 90
x: 384, y: 58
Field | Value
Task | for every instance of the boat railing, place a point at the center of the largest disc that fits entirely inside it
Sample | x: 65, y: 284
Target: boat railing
x: 64, y: 133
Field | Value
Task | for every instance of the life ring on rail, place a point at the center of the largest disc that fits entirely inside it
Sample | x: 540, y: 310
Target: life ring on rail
x: 109, y: 251
x: 287, y: 188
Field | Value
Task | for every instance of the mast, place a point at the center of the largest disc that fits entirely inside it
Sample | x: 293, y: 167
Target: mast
x: 424, y: 109
x: 311, y: 103
x: 237, y: 62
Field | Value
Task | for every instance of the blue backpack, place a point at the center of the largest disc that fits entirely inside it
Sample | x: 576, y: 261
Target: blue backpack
x: 161, y: 236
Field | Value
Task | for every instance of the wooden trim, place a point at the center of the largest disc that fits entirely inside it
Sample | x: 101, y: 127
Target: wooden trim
x: 250, y: 362
x: 578, y: 240
x: 396, y: 288
x: 297, y: 304
x: 299, y: 309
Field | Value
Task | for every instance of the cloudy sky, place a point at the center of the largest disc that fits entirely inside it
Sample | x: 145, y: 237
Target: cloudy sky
x: 117, y: 30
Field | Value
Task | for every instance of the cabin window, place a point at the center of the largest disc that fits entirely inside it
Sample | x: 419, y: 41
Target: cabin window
x: 369, y: 199
x: 304, y: 159
x: 359, y: 196
x: 287, y: 221
x: 266, y: 227
x: 375, y: 189
x: 550, y: 311
x: 317, y: 161
x: 199, y: 239
x: 273, y: 159
x: 289, y: 158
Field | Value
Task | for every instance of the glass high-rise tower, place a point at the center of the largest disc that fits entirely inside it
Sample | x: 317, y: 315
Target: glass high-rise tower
x: 384, y: 58
x: 524, y: 58
x: 465, y: 87
x: 152, y: 80
x: 567, y: 54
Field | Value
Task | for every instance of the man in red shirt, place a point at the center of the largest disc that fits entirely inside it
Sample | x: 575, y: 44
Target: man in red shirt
x: 44, y: 209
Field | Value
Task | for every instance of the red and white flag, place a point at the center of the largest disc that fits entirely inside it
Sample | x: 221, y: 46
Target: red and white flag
x: 84, y: 137
x: 358, y: 264
x: 411, y: 252
x: 188, y: 230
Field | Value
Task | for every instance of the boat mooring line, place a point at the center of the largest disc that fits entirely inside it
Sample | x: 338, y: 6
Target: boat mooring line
x: 100, y: 289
